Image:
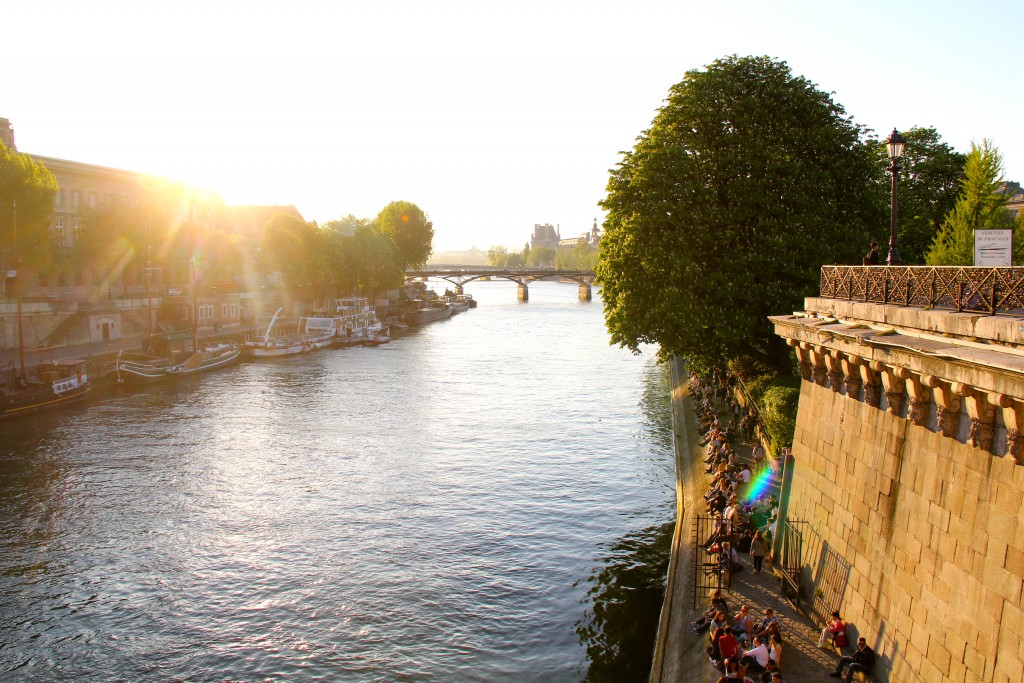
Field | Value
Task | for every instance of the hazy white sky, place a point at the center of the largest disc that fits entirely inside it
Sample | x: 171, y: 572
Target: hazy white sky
x: 491, y: 115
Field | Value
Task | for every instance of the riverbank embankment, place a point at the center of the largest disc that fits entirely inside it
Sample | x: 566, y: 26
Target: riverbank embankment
x: 679, y: 654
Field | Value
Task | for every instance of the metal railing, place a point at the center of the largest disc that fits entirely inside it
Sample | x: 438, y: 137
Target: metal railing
x: 956, y: 288
x: 712, y: 567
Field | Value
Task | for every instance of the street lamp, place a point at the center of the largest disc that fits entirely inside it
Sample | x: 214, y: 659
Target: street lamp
x: 896, y: 144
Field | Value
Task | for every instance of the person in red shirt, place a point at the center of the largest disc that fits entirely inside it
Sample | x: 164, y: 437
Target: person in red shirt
x: 728, y: 647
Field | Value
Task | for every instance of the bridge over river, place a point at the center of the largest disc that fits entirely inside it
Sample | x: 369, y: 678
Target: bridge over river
x: 459, y: 276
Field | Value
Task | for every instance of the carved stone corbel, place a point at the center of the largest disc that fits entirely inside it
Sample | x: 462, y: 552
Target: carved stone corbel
x: 872, y: 385
x: 804, y: 363
x: 818, y: 355
x: 948, y: 404
x: 834, y: 364
x: 854, y: 382
x: 982, y: 414
x: 920, y: 400
x: 893, y: 379
x: 1013, y: 418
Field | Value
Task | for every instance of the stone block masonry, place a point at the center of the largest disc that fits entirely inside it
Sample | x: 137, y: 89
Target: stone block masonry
x: 907, y: 462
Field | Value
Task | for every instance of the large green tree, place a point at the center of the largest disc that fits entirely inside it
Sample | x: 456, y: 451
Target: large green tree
x: 929, y: 182
x: 410, y: 229
x: 30, y: 188
x: 297, y: 250
x: 980, y: 205
x: 749, y: 179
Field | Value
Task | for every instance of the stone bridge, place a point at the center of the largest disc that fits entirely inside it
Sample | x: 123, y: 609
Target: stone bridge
x: 459, y: 276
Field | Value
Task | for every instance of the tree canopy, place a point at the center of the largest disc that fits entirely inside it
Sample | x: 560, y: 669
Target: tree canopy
x: 981, y: 205
x: 32, y: 188
x: 411, y: 230
x: 749, y: 179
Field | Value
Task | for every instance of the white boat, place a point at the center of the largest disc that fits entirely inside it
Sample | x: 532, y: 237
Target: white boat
x: 355, y: 321
x: 267, y: 346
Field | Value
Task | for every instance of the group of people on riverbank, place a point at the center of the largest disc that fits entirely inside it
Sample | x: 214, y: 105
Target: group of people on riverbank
x: 737, y: 646
x: 745, y: 651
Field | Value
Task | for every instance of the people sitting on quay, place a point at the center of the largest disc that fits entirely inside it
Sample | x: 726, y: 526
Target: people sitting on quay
x: 734, y: 672
x: 775, y: 649
x: 718, y: 604
x: 863, y: 659
x: 769, y: 626
x: 723, y: 646
x: 834, y: 633
x: 771, y: 669
x: 743, y: 624
x: 756, y: 658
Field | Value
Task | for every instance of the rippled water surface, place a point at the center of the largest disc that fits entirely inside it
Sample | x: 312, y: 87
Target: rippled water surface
x: 451, y: 506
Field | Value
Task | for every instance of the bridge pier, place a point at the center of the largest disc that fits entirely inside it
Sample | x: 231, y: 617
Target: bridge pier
x: 458, y: 289
x: 585, y: 292
x: 524, y: 292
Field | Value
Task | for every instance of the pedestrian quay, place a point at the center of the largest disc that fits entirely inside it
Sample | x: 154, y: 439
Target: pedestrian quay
x: 680, y: 655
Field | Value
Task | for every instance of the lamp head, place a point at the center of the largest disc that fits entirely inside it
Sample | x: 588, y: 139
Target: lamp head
x: 896, y: 144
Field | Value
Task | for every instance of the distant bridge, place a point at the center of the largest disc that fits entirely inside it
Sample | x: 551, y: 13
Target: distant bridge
x: 459, y: 276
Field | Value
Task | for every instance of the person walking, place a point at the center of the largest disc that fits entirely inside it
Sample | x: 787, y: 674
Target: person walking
x: 758, y: 551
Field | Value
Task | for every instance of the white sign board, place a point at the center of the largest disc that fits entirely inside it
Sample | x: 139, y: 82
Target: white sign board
x: 993, y: 248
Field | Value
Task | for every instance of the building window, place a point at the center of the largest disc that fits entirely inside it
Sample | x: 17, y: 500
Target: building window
x: 74, y: 199
x: 77, y: 231
x: 223, y: 310
x: 202, y: 312
x: 58, y: 232
x: 58, y: 198
x: 92, y: 200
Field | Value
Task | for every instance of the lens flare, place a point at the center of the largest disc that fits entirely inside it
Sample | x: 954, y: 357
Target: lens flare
x: 758, y: 485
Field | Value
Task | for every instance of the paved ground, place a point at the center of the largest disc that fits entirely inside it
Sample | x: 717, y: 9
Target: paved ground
x: 683, y: 659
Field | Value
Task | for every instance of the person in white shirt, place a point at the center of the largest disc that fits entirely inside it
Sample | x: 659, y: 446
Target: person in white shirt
x: 756, y: 658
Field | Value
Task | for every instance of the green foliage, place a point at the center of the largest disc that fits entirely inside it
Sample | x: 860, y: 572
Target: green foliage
x: 581, y: 257
x: 375, y: 259
x: 778, y: 410
x: 930, y: 177
x: 541, y: 256
x: 497, y: 256
x: 298, y: 251
x: 981, y: 205
x: 410, y: 229
x: 748, y: 180
x: 32, y: 188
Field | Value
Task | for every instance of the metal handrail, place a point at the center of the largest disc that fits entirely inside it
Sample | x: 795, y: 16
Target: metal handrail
x: 956, y: 288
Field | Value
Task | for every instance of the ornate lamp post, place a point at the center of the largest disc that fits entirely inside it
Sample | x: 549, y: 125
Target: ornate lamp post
x: 896, y: 144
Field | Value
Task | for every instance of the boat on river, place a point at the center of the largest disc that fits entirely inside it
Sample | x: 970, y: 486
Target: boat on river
x: 60, y: 383
x: 206, y: 358
x: 355, y: 321
x: 427, y: 312
x: 314, y: 336
x: 140, y: 368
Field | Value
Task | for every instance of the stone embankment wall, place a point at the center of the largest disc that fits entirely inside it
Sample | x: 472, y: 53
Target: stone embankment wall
x: 907, y: 463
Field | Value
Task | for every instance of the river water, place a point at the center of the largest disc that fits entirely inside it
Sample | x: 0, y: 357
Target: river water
x: 486, y: 499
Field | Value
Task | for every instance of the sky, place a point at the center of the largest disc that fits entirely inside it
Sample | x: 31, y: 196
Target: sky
x: 490, y: 115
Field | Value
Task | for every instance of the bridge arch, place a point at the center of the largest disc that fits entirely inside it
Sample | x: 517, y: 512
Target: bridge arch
x: 521, y: 276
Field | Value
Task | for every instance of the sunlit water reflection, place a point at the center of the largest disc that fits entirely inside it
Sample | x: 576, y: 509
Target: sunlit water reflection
x: 456, y: 505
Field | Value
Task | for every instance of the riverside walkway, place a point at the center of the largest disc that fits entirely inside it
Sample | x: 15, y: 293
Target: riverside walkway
x: 680, y: 655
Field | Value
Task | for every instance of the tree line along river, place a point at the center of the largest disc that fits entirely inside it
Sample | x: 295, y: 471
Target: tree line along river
x: 487, y: 498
